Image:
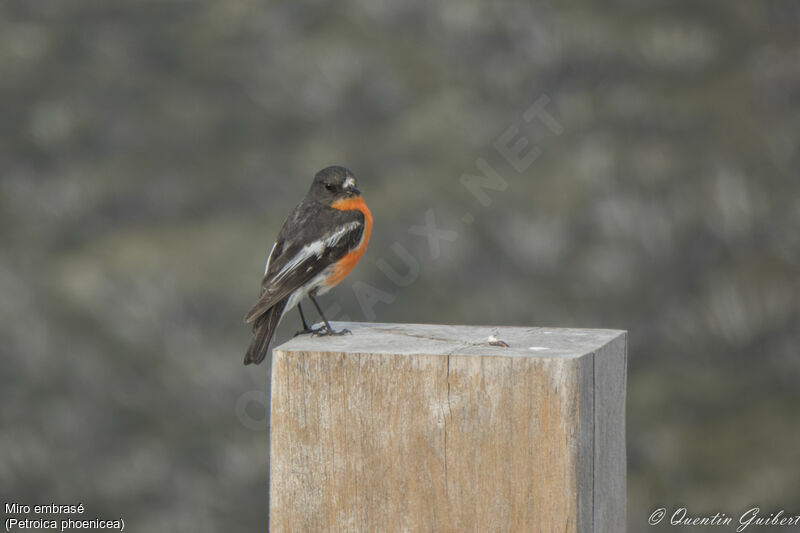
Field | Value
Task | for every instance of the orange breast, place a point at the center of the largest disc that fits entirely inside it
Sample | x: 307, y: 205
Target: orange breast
x: 348, y: 262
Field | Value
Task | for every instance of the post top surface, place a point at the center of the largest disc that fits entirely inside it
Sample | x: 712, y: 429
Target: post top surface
x: 433, y: 339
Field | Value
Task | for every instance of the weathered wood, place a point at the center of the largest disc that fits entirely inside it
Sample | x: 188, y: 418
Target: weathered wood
x: 432, y: 428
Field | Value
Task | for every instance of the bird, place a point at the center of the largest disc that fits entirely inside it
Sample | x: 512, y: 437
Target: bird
x: 319, y: 244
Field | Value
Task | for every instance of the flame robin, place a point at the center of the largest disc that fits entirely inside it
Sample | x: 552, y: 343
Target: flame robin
x: 318, y: 245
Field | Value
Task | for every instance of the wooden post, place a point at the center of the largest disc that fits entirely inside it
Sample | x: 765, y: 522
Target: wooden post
x: 437, y: 428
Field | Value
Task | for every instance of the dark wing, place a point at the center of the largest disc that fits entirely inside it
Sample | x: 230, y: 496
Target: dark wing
x: 313, y: 237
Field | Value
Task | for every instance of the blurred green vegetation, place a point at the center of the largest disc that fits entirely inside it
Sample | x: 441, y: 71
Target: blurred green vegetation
x: 149, y: 152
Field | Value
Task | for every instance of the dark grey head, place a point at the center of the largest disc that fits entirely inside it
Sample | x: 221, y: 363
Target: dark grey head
x: 333, y: 184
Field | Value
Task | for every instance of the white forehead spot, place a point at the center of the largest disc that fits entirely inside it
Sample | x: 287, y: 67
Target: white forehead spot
x: 350, y: 182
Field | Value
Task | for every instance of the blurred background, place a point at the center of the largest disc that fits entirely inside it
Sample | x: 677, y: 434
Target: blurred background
x: 149, y: 152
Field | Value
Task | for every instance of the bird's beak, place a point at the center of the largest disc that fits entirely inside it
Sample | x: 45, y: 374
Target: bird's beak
x: 350, y: 186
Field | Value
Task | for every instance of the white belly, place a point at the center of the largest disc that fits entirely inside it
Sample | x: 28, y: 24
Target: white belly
x: 316, y: 284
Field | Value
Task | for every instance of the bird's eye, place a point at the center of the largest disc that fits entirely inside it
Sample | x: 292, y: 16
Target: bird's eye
x: 330, y: 186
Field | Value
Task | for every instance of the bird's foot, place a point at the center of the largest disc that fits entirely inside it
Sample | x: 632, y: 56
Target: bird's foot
x: 324, y: 332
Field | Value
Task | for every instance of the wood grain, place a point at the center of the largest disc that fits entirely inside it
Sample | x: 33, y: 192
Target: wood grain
x: 429, y: 428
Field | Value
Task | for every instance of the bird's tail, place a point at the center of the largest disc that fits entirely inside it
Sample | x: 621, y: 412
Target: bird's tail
x: 263, y: 330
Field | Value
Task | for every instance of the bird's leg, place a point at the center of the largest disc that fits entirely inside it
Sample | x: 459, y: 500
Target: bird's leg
x: 306, y: 329
x: 328, y: 329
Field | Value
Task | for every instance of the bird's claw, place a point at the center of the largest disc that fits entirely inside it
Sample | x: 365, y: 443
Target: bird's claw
x: 324, y: 332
